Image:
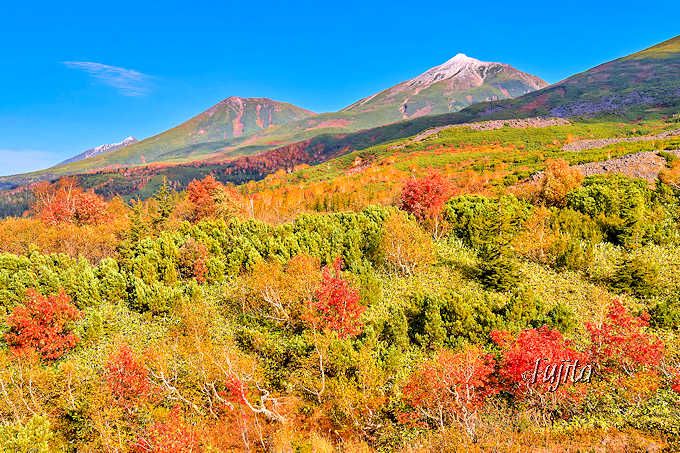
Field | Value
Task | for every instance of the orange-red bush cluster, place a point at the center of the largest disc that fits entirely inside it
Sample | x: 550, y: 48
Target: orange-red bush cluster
x: 64, y: 202
x: 43, y: 324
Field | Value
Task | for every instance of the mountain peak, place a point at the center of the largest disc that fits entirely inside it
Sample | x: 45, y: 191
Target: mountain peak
x: 240, y: 99
x: 112, y: 146
x: 460, y: 63
x: 101, y: 149
x: 449, y: 87
x: 461, y: 58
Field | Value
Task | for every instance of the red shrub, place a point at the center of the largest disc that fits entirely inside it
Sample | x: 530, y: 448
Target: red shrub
x: 127, y: 378
x: 43, y: 324
x: 235, y: 390
x: 66, y: 202
x: 425, y: 197
x: 621, y: 342
x: 337, y: 304
x: 675, y: 382
x: 201, y: 194
x: 532, y: 357
x: 193, y: 260
x: 89, y: 208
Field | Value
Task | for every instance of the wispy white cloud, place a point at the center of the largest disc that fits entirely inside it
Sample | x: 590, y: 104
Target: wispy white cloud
x: 127, y: 81
x: 13, y: 161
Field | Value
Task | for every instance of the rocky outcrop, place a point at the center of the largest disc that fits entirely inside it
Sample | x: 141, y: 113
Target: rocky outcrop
x: 645, y: 165
x: 522, y: 123
x: 582, y: 145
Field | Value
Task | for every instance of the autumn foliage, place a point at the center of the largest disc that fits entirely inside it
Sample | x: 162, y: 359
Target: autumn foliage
x: 675, y: 380
x: 235, y: 391
x: 520, y: 354
x: 66, y: 202
x: 127, y: 378
x: 628, y: 356
x: 450, y: 387
x: 424, y: 197
x: 337, y: 306
x: 201, y: 195
x: 171, y: 435
x: 43, y: 324
x: 250, y: 344
x: 193, y: 260
x: 209, y: 198
x: 621, y: 343
x: 405, y: 246
x: 558, y: 179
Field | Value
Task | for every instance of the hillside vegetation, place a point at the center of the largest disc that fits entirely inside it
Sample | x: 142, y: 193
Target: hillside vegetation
x: 391, y: 299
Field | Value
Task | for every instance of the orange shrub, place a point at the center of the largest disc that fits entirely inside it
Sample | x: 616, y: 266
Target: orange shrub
x: 43, y: 325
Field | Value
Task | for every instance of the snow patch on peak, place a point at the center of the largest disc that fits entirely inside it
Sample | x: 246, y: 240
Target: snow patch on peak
x: 461, y: 58
x: 101, y: 149
x: 459, y: 64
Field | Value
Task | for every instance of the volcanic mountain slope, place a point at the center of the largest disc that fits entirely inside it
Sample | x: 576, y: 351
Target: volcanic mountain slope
x: 449, y: 87
x: 232, y: 120
x: 457, y: 83
x: 101, y: 149
x: 644, y: 84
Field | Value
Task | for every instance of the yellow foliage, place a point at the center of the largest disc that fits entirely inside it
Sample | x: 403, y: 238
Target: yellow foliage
x: 558, y: 179
x: 94, y: 242
x: 671, y: 176
x: 280, y: 293
x: 536, y: 237
x: 405, y: 246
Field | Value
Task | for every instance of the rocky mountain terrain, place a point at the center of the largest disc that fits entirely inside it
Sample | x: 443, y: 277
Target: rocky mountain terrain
x: 646, y: 165
x: 101, y: 149
x: 449, y: 87
x: 490, y: 125
x: 581, y: 145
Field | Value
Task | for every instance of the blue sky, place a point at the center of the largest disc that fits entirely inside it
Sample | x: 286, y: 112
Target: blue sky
x: 77, y: 74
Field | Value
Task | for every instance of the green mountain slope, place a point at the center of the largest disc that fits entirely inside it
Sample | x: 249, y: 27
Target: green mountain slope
x: 449, y: 87
x: 230, y: 121
x: 640, y: 84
